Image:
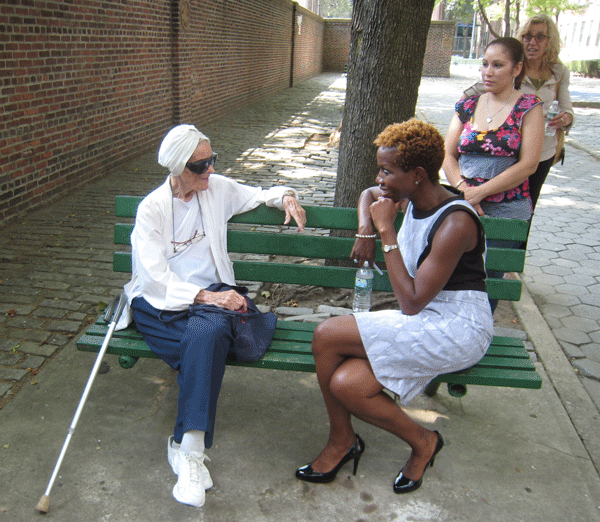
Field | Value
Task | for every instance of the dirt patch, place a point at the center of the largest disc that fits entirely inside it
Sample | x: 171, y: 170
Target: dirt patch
x: 275, y: 295
x: 506, y: 317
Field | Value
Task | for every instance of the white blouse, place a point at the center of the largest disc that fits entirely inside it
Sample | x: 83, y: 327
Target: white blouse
x: 153, y: 276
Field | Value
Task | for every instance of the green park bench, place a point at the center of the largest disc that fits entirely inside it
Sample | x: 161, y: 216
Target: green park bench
x: 271, y: 252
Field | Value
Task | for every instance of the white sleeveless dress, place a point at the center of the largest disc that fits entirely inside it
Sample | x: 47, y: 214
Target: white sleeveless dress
x: 453, y: 331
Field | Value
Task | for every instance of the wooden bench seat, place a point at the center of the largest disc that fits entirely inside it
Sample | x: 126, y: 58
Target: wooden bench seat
x: 263, y: 250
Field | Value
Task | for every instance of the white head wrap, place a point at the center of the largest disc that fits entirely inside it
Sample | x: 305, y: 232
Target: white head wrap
x: 178, y: 146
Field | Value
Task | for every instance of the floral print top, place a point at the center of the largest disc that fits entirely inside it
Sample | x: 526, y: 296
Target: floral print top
x: 503, y: 142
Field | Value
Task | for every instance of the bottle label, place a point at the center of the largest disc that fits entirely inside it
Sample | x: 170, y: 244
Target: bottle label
x: 361, y: 283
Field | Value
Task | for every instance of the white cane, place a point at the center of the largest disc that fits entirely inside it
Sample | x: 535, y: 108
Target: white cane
x: 114, y: 310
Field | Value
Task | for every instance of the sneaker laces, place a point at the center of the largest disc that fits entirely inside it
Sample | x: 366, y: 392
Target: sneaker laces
x: 195, y: 463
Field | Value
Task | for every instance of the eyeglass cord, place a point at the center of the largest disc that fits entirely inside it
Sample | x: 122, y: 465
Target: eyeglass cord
x: 173, y: 219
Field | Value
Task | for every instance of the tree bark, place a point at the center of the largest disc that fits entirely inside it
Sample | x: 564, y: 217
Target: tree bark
x: 387, y: 48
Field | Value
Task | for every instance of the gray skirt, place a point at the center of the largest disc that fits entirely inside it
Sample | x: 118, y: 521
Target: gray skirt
x: 407, y: 351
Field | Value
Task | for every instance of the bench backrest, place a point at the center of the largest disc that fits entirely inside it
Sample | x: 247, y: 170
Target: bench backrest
x: 301, y: 256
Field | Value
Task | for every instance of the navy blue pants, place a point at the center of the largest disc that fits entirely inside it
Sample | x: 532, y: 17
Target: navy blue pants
x: 195, y: 346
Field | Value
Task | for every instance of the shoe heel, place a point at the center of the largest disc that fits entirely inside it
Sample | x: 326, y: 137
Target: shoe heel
x: 356, y: 461
x: 438, y: 447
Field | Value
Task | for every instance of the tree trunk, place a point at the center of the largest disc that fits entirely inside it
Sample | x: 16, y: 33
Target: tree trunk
x: 506, y: 18
x: 387, y: 48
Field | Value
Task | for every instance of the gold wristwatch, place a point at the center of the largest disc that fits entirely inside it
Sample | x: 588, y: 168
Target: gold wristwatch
x: 387, y: 248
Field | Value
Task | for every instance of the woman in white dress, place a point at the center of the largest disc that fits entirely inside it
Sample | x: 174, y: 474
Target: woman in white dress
x: 436, y: 265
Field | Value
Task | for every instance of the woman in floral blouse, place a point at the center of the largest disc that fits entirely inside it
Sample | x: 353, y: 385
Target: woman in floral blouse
x: 495, y: 139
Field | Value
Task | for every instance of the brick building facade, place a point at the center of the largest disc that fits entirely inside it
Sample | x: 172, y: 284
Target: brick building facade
x: 88, y: 84
x: 438, y: 53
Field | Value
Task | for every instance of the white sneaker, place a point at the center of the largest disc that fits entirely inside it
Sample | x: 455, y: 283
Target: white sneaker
x: 173, y: 450
x: 189, y: 488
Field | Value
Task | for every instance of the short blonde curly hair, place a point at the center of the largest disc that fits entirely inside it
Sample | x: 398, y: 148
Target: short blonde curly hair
x: 417, y: 144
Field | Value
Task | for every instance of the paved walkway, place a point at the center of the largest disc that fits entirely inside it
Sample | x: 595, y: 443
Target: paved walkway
x: 55, y: 275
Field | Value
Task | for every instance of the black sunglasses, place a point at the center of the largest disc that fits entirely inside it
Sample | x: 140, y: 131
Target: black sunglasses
x: 200, y: 167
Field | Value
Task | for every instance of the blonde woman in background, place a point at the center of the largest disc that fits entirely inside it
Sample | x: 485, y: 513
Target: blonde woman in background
x: 548, y: 79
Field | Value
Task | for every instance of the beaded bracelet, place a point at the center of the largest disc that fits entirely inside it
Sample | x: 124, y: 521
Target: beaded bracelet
x: 366, y: 236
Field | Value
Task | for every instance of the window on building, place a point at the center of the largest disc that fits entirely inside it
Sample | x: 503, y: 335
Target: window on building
x: 582, y: 33
x: 565, y: 32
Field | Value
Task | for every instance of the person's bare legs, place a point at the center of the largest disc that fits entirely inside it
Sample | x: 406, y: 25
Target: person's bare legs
x: 349, y: 387
x: 334, y: 340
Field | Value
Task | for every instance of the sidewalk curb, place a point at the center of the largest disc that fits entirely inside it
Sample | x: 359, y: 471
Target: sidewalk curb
x: 579, y: 406
x: 578, y: 145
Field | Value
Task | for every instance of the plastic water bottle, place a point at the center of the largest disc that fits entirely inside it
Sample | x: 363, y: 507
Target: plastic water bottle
x: 552, y: 112
x: 363, y: 286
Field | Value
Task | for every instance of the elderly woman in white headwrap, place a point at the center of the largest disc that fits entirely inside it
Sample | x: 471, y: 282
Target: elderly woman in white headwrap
x: 179, y: 247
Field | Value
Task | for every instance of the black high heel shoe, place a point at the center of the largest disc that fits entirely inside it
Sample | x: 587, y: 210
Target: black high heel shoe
x: 403, y: 484
x: 308, y: 474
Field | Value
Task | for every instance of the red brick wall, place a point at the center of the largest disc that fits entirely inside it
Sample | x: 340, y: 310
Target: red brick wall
x: 308, y: 44
x: 83, y: 85
x: 438, y: 53
x: 336, y: 44
x: 235, y: 53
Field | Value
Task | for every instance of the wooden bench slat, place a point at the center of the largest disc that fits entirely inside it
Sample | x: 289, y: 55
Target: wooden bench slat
x: 508, y: 341
x: 505, y: 260
x: 301, y: 245
x: 507, y: 289
x: 296, y: 325
x: 505, y: 229
x: 493, y: 377
x: 281, y: 361
x: 507, y: 351
x: 511, y: 363
x: 322, y: 247
x: 292, y: 335
x: 330, y: 217
x: 339, y: 277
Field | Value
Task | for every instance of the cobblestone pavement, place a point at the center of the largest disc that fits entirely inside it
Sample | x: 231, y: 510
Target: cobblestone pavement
x: 55, y: 264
